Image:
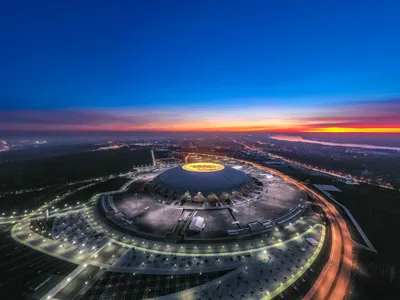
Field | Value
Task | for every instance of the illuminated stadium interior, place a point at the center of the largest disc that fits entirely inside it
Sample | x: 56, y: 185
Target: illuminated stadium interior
x: 203, y: 167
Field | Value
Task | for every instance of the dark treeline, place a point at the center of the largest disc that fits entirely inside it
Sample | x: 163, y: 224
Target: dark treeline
x: 66, y: 168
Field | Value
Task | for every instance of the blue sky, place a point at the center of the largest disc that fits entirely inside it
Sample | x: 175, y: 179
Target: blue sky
x: 308, y: 56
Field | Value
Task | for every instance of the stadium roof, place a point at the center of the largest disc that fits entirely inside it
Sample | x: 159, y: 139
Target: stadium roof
x: 206, y: 178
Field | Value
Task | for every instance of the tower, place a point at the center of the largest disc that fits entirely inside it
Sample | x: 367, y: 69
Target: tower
x: 152, y: 157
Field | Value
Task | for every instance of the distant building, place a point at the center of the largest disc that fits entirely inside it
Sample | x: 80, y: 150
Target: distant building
x: 274, y: 163
x: 349, y: 180
x: 365, y: 173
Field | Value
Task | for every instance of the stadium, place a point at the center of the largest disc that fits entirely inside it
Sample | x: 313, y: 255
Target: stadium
x: 203, y: 201
x: 202, y: 182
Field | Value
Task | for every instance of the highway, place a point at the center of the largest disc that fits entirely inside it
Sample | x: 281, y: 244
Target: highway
x: 293, y: 162
x: 315, y: 169
x: 335, y: 277
x: 187, y: 157
x: 330, y: 173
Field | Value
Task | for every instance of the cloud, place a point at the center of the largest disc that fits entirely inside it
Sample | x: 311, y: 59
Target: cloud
x: 367, y: 114
x: 359, y: 114
x: 79, y: 119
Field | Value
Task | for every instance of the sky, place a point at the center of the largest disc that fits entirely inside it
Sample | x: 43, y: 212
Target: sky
x: 279, y: 66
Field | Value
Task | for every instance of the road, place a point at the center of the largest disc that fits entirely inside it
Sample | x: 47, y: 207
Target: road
x: 330, y: 173
x: 248, y: 147
x: 187, y: 157
x: 335, y: 277
x: 323, y: 171
x: 71, y: 276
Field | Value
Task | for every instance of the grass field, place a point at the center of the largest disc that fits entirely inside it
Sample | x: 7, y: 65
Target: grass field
x: 378, y: 213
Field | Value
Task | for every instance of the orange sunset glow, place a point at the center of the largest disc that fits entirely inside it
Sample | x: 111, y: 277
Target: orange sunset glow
x: 354, y: 130
x: 208, y: 128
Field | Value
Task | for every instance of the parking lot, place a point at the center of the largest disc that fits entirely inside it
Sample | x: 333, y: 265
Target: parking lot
x: 22, y: 264
x: 144, y: 286
x: 74, y: 228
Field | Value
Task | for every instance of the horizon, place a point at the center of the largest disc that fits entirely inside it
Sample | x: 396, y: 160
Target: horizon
x: 391, y: 139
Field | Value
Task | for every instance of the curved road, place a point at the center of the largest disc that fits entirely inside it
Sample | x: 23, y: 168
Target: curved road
x: 334, y: 279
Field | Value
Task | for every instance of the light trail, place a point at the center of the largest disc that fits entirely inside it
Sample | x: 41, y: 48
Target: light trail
x: 187, y: 157
x: 292, y: 161
x: 339, y: 264
x: 315, y: 169
x: 312, y: 168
